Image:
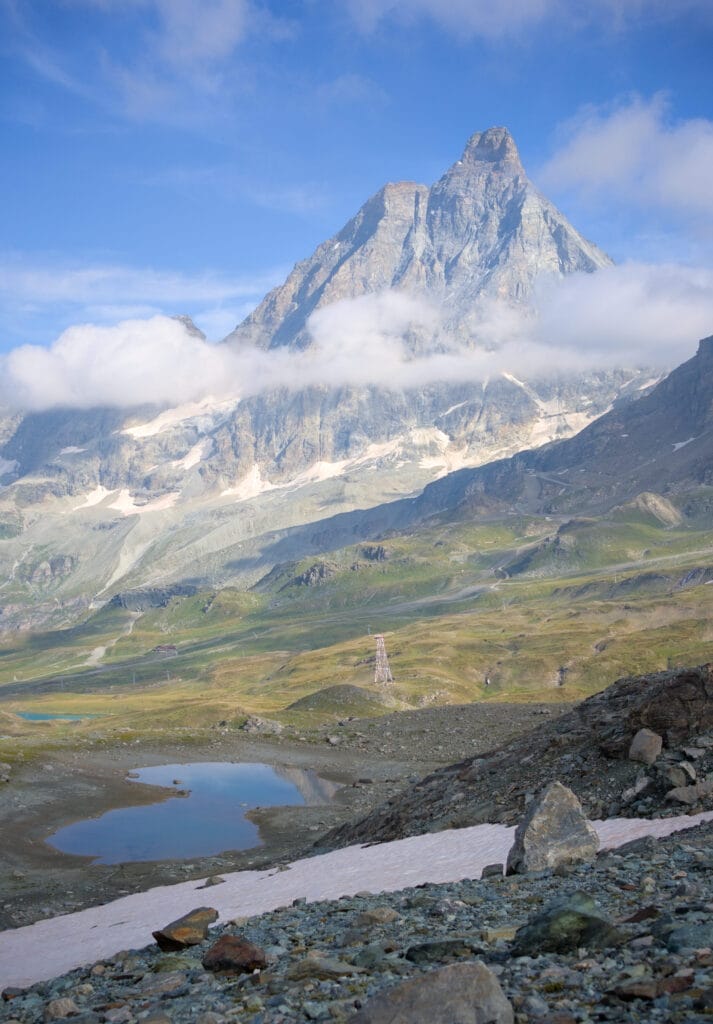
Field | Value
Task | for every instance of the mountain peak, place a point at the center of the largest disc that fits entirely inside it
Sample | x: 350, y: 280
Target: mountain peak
x: 494, y: 146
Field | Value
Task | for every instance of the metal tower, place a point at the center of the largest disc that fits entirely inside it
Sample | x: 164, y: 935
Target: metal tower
x: 382, y: 672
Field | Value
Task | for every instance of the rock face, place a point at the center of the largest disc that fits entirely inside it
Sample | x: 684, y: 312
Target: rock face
x: 482, y: 231
x: 553, y: 832
x: 464, y: 993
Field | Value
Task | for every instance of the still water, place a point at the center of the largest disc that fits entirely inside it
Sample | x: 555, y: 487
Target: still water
x: 49, y: 716
x: 209, y: 820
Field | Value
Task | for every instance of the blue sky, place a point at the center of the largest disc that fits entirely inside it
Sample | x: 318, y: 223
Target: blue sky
x: 180, y: 155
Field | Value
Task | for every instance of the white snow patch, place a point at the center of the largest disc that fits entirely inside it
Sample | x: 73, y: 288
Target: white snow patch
x: 557, y: 425
x: 125, y: 504
x: 249, y: 487
x: 649, y: 383
x: 170, y: 417
x: 8, y: 466
x: 94, y: 497
x: 451, y: 409
x: 682, y: 444
x: 197, y: 453
x: 253, y: 484
x: 127, y: 923
x: 72, y: 450
x: 514, y: 380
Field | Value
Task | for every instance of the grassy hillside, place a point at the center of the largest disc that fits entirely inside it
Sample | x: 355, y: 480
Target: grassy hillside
x: 526, y: 608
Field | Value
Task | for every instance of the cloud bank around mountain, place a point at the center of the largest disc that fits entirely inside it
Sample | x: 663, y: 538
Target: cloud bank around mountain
x: 627, y: 316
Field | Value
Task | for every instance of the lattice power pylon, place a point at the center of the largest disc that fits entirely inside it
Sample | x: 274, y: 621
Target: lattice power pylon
x: 382, y: 672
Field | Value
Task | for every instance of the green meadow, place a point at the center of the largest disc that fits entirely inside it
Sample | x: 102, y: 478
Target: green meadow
x: 519, y: 609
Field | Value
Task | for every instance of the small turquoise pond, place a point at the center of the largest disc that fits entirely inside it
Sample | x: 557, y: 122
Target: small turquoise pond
x: 209, y: 820
x: 41, y: 716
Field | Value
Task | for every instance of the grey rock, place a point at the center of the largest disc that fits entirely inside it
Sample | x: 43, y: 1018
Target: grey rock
x: 690, y: 795
x: 457, y: 994
x: 554, y: 831
x: 565, y: 925
x: 645, y: 746
x: 261, y: 726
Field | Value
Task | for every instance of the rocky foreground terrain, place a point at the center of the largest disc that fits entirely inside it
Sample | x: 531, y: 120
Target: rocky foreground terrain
x: 627, y: 938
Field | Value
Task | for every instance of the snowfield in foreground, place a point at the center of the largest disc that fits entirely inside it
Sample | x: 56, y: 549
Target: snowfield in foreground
x: 71, y: 940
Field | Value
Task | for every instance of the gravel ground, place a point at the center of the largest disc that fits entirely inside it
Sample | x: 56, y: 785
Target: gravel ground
x: 326, y: 960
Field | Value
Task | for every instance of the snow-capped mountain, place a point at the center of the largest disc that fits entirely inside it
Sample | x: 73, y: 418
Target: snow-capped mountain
x: 101, y: 500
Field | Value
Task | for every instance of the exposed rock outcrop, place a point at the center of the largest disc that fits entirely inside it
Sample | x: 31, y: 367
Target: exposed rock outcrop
x: 586, y: 749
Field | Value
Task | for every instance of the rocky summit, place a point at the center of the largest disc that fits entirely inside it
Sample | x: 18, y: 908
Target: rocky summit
x: 481, y: 231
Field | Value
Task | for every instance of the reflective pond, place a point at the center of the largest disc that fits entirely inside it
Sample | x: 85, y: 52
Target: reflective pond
x: 49, y: 716
x: 207, y: 819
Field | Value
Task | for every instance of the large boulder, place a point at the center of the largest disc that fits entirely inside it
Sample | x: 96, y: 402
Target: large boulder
x: 645, y: 746
x: 457, y: 994
x: 553, y: 832
x: 566, y: 925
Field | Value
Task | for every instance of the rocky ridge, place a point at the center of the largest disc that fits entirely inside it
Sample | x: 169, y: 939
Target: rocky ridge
x: 587, y: 749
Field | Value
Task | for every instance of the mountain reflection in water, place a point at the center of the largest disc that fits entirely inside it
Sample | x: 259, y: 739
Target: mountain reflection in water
x: 208, y: 818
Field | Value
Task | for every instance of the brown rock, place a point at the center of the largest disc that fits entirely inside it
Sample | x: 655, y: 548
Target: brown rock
x: 463, y: 993
x: 676, y: 983
x: 379, y: 915
x: 189, y: 930
x: 236, y: 954
x: 554, y: 831
x: 58, y: 1009
x: 636, y: 988
x: 645, y: 746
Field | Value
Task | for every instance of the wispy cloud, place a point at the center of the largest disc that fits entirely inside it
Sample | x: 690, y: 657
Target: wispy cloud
x: 497, y: 20
x: 172, y: 61
x: 299, y: 198
x: 636, y: 152
x: 634, y: 315
x: 110, y: 292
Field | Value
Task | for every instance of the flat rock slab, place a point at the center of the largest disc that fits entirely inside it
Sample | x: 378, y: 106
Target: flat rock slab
x: 189, y: 930
x: 458, y: 994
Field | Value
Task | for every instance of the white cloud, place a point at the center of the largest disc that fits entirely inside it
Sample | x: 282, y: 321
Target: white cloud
x: 635, y: 315
x: 30, y: 294
x: 638, y: 154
